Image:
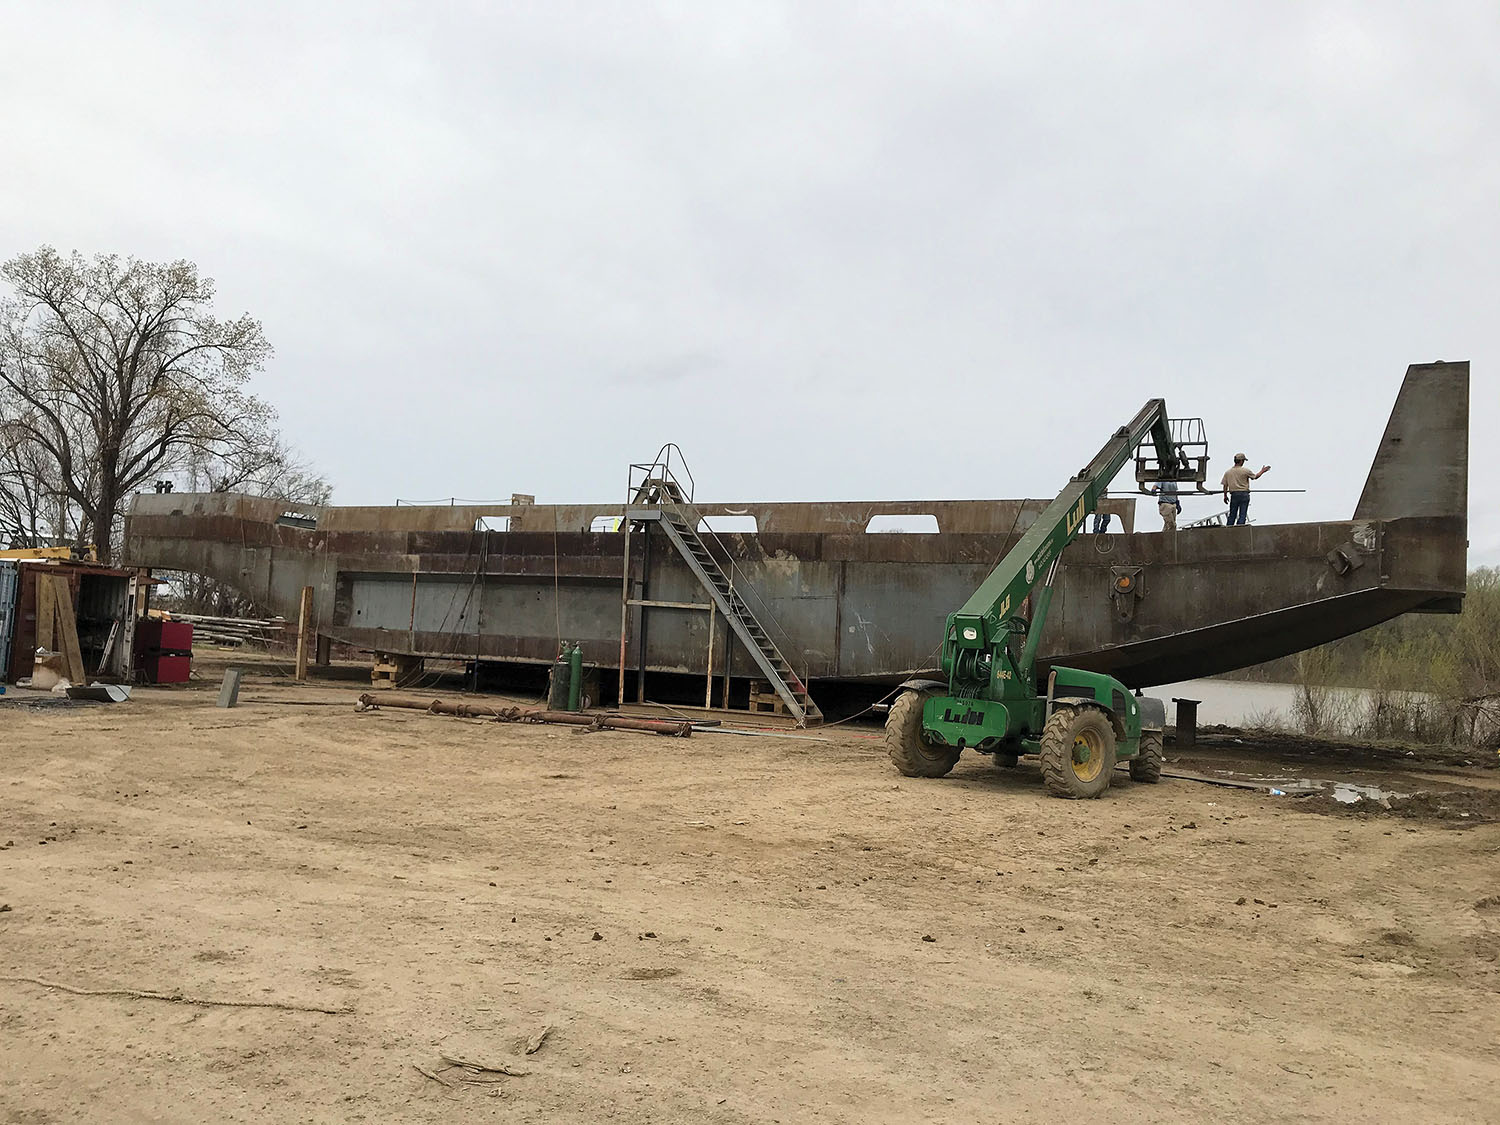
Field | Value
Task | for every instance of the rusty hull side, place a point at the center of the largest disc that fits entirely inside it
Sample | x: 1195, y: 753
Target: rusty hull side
x: 855, y: 605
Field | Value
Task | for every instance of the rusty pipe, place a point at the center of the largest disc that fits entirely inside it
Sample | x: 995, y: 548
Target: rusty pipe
x: 678, y: 728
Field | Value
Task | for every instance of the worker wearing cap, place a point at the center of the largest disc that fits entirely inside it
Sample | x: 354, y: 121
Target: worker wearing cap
x: 1236, y: 485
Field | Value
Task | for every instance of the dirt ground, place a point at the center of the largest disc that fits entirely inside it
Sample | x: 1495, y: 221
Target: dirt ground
x: 719, y: 929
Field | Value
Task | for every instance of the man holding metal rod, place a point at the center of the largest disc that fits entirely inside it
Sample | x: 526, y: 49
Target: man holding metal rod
x: 1236, y: 485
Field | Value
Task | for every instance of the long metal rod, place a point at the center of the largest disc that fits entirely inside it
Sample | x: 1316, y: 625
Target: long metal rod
x: 674, y: 727
x: 1211, y: 492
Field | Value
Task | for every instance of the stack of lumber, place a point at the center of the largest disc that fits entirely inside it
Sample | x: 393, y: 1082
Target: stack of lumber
x: 234, y: 632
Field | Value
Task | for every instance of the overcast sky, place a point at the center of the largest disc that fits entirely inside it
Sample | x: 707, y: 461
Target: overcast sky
x: 835, y: 251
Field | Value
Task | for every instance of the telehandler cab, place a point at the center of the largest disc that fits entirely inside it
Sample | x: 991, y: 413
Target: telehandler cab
x: 1079, y: 723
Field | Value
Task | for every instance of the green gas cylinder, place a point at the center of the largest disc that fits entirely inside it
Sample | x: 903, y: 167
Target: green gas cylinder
x: 575, y: 676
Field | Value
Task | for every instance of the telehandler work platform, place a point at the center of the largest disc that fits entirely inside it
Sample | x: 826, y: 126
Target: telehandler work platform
x: 1084, y: 722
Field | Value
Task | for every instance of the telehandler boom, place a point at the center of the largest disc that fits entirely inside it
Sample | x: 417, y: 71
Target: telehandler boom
x: 1079, y: 723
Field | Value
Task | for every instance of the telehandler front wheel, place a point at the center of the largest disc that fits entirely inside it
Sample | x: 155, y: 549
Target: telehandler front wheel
x: 1077, y: 752
x: 908, y: 747
x: 1146, y: 766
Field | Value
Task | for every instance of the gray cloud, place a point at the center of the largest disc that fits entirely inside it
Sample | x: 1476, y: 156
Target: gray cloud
x: 936, y: 250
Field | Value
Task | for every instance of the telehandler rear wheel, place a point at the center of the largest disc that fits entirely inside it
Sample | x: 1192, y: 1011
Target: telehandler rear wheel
x: 909, y: 749
x: 1146, y: 766
x: 1077, y: 752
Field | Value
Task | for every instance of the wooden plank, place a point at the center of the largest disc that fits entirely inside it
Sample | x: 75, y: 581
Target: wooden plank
x: 708, y: 683
x: 38, y: 553
x: 46, y: 612
x: 67, y: 628
x: 304, y: 624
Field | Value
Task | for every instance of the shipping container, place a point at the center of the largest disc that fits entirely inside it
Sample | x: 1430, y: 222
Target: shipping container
x: 8, y: 587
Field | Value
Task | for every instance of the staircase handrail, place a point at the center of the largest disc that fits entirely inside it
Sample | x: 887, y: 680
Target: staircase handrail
x: 739, y: 583
x: 661, y: 469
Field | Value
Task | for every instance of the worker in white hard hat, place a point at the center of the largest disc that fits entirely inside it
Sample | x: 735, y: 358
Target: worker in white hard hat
x: 1236, y: 486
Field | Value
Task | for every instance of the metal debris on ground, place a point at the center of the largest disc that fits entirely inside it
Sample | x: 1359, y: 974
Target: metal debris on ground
x: 41, y: 702
x: 229, y: 690
x: 672, y: 727
x: 1344, y: 792
x: 100, y: 693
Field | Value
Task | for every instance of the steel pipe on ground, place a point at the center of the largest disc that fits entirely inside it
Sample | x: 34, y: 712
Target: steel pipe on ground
x: 676, y: 728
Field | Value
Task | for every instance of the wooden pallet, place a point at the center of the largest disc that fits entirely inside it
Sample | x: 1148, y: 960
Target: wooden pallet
x: 764, y: 700
x: 394, y: 670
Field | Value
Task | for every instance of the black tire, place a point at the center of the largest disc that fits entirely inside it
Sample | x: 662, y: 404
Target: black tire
x: 1078, y: 752
x: 1007, y: 760
x: 913, y: 755
x: 1146, y: 766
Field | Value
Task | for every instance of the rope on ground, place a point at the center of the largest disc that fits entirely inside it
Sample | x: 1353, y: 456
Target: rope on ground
x: 176, y: 997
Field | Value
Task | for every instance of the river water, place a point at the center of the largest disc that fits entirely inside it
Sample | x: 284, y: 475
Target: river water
x: 1233, y: 703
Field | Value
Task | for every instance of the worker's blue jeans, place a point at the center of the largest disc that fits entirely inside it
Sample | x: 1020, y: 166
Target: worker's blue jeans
x: 1239, y: 506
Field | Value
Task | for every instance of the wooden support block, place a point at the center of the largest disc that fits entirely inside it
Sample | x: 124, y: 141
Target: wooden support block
x: 383, y: 674
x: 304, y: 628
x: 393, y: 670
x: 764, y: 700
x: 229, y: 690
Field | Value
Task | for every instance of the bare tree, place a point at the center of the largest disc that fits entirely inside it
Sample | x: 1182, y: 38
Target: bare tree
x: 30, y: 505
x: 273, y: 471
x: 115, y: 372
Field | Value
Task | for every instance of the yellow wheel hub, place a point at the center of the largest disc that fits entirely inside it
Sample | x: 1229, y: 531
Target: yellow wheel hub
x: 1088, y: 755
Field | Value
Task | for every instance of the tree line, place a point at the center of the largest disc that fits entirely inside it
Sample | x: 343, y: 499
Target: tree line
x: 1422, y: 677
x: 116, y: 374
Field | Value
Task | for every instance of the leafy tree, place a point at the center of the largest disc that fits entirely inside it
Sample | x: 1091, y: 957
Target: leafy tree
x: 114, y: 372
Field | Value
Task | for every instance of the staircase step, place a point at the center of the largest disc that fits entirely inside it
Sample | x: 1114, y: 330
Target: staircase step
x: 780, y: 670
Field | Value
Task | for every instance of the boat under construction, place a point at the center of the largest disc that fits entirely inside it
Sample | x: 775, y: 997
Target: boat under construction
x: 662, y: 597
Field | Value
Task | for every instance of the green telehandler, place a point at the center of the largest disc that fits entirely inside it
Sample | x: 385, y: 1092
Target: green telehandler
x: 1079, y: 723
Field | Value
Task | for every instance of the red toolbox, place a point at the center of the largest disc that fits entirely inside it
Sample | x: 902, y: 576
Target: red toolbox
x: 155, y: 635
x: 167, y: 669
x: 164, y: 650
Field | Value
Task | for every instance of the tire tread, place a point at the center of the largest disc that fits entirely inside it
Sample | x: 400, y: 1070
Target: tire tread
x: 903, y: 740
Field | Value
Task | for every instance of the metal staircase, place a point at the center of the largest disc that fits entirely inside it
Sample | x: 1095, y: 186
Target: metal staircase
x: 658, y: 497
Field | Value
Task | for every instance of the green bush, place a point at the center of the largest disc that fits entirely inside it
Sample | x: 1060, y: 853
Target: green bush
x: 1424, y: 677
